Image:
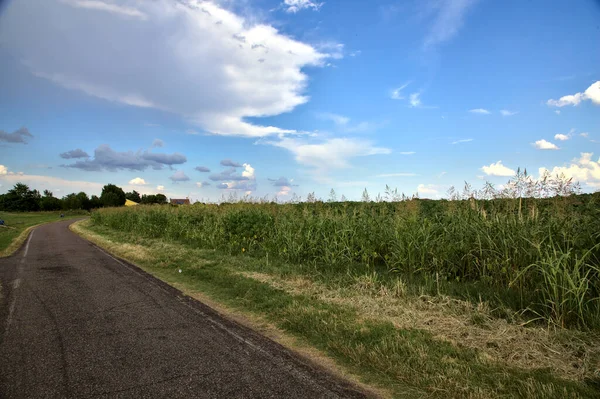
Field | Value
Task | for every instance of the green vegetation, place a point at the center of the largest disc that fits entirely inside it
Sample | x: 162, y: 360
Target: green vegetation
x: 14, y: 230
x: 22, y: 199
x: 489, y: 294
x: 537, y: 256
x: 365, y: 319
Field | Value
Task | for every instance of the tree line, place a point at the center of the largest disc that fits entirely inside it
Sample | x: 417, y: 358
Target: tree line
x: 23, y: 199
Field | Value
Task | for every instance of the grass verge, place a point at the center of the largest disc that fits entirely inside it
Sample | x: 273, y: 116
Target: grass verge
x: 399, y: 343
x: 18, y: 225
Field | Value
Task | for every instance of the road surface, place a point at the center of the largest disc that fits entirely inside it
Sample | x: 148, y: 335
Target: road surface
x: 76, y: 322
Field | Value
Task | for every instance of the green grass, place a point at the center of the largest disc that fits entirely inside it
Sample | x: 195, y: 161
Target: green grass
x: 15, y: 225
x: 405, y: 361
x: 501, y: 250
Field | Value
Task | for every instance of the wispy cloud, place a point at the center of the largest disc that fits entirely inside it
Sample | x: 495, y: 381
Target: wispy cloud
x: 396, y: 94
x: 335, y: 118
x: 461, y: 141
x: 407, y: 152
x: 107, y: 7
x: 481, y: 111
x: 415, y: 100
x: 506, y: 112
x: 448, y: 18
x: 293, y: 6
x: 324, y: 155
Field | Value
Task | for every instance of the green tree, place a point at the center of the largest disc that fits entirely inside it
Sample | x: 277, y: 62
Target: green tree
x: 49, y: 203
x: 112, y: 195
x: 71, y: 201
x: 21, y: 199
x: 133, y: 196
x: 84, y: 201
x: 95, y: 202
x: 154, y: 199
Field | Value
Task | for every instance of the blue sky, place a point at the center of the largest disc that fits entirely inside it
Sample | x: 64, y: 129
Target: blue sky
x: 296, y: 96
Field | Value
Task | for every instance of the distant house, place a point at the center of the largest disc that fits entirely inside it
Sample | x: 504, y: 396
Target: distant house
x: 175, y: 201
x: 130, y: 203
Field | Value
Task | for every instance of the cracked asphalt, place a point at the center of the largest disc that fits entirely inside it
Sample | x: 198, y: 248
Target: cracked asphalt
x: 76, y: 322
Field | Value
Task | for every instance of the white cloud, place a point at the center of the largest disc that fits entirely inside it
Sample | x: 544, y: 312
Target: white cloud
x: 564, y: 137
x: 557, y: 111
x: 160, y: 188
x: 396, y: 93
x: 329, y: 154
x: 498, y: 169
x: 108, y: 7
x: 545, y: 145
x: 415, y: 100
x: 3, y: 170
x: 584, y: 170
x: 506, y: 112
x: 50, y: 183
x: 591, y: 93
x: 248, y: 171
x: 462, y: 141
x: 335, y: 118
x: 407, y: 152
x: 481, y: 111
x: 207, y: 74
x: 429, y: 190
x: 293, y: 6
x: 584, y: 134
x: 284, y: 191
x: 199, y: 184
x: 448, y: 18
x: 138, y: 181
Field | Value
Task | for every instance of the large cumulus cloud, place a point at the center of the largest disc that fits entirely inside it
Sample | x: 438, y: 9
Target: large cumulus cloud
x: 192, y: 58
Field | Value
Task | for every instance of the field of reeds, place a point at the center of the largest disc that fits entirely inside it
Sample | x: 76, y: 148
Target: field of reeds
x: 531, y: 249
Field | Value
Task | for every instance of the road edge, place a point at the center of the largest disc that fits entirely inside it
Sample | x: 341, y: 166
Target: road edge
x: 278, y: 344
x: 18, y: 242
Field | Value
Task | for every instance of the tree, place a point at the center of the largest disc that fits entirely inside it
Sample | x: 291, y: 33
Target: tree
x: 95, y: 202
x: 112, y: 196
x: 21, y: 198
x: 84, y: 201
x: 133, y: 196
x: 49, y: 203
x: 153, y: 199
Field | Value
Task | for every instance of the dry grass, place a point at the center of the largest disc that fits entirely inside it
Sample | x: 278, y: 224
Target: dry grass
x: 16, y: 243
x: 569, y: 354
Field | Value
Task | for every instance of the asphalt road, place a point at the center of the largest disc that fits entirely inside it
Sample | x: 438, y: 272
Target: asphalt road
x: 76, y: 322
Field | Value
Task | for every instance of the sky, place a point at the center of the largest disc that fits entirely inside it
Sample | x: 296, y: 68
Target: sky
x: 205, y: 99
